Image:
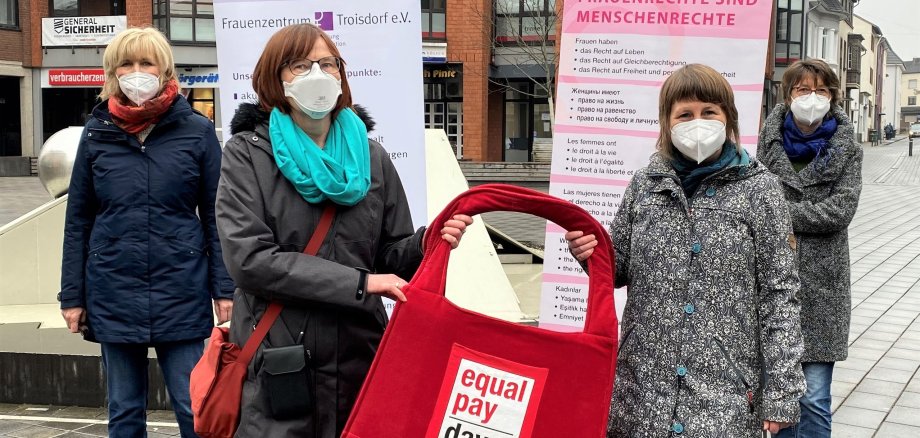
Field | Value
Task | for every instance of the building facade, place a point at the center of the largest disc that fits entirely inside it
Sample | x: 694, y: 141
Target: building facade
x: 891, y: 91
x: 865, y: 110
x: 489, y: 70
x: 910, y: 93
x: 16, y: 60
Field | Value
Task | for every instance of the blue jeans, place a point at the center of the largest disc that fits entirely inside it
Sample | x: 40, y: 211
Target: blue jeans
x: 126, y: 382
x: 816, y: 404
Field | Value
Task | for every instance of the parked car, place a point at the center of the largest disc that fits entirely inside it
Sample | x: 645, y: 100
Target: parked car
x: 915, y: 130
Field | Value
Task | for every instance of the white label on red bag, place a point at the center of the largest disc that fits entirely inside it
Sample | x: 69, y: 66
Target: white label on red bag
x: 486, y: 397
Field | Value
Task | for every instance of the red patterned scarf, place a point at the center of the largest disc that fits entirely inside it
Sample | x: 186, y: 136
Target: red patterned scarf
x: 134, y: 119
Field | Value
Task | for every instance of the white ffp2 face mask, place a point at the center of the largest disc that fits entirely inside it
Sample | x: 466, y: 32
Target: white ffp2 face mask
x: 810, y: 108
x: 316, y: 92
x: 139, y: 87
x: 698, y: 139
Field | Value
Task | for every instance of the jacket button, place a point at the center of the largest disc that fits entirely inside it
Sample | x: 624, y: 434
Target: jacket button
x: 689, y: 309
x: 682, y: 371
x: 677, y: 427
x: 255, y: 138
x: 697, y: 247
x: 710, y: 192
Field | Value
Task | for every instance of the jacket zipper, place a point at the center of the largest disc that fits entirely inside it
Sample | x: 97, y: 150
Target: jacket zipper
x: 748, y: 392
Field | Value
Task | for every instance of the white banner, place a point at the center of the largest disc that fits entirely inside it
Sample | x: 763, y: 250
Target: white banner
x: 81, y: 31
x: 617, y: 55
x: 380, y: 42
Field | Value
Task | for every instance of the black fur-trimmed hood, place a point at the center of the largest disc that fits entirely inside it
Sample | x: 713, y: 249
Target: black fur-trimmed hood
x: 250, y: 115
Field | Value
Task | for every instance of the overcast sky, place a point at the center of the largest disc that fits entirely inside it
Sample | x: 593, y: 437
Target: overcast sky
x: 899, y: 21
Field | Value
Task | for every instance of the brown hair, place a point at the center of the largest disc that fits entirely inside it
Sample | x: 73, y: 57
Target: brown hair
x: 132, y: 43
x: 811, y: 68
x: 291, y: 43
x: 695, y: 82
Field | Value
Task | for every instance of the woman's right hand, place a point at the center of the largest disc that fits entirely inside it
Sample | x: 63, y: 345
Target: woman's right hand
x: 580, y: 245
x: 388, y: 285
x: 74, y: 316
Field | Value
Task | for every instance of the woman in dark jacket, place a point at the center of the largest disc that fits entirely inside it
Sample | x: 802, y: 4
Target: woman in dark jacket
x: 302, y: 148
x: 807, y: 141
x: 140, y: 267
x: 711, y: 340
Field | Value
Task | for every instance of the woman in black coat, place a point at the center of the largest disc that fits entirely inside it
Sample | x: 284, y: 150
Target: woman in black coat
x: 140, y: 266
x: 302, y: 148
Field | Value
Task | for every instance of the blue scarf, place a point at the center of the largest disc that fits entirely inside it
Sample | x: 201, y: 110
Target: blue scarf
x: 802, y: 147
x: 692, y: 174
x: 340, y: 172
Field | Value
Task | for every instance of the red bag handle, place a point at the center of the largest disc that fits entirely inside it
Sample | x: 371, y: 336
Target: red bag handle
x: 274, y: 308
x: 601, y: 317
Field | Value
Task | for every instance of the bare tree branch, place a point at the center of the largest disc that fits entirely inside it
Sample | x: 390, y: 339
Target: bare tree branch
x: 523, y: 41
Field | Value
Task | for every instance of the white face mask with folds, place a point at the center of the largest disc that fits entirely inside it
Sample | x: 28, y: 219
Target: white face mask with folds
x: 316, y: 92
x: 698, y: 139
x: 810, y: 108
x: 139, y: 87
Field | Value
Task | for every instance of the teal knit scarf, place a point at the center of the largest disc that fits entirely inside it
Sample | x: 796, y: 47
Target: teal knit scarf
x: 692, y: 174
x: 340, y: 172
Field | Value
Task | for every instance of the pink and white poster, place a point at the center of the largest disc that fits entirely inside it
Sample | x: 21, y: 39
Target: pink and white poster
x: 613, y: 57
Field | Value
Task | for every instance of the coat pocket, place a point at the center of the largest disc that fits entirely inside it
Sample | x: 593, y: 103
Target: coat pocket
x: 741, y: 382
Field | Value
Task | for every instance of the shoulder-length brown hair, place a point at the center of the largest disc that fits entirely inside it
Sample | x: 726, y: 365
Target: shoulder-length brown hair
x: 811, y: 68
x: 695, y: 82
x: 292, y: 43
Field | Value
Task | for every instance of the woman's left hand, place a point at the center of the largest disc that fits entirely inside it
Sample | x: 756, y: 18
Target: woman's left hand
x: 454, y: 228
x: 223, y: 308
x: 774, y: 426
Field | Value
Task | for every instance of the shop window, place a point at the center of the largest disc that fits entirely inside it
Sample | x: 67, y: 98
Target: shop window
x: 86, y: 8
x: 789, y: 18
x: 434, y: 19
x: 525, y: 21
x: 444, y: 102
x: 526, y: 118
x: 9, y: 13
x: 202, y: 100
x: 185, y: 21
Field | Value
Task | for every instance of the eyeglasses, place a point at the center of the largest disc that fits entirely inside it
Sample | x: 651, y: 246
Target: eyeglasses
x: 802, y: 91
x: 329, y: 64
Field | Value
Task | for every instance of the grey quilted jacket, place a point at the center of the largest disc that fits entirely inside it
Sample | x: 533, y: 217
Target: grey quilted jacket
x: 711, y: 339
x: 822, y: 200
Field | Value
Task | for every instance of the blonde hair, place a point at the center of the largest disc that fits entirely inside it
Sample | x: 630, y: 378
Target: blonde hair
x: 133, y: 43
x: 701, y: 83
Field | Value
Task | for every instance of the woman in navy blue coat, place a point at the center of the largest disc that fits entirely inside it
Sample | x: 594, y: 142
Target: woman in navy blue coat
x: 142, y: 260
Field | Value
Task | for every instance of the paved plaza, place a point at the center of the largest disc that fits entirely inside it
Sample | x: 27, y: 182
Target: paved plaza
x: 876, y: 391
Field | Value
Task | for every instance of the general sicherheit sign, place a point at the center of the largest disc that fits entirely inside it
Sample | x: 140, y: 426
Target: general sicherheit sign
x: 81, y: 31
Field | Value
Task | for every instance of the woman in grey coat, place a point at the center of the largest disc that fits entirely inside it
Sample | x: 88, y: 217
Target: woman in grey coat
x: 808, y: 143
x: 711, y: 341
x: 304, y: 147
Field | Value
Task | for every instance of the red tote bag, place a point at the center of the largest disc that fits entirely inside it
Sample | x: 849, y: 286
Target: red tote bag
x: 447, y: 372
